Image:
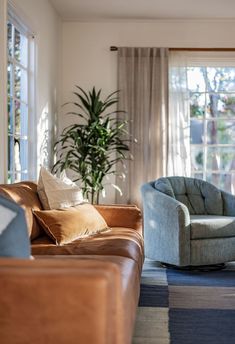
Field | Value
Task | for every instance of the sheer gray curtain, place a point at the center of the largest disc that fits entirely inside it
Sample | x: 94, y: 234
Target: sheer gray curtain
x: 178, y: 157
x: 143, y: 85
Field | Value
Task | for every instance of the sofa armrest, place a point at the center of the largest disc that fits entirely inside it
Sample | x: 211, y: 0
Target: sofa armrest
x: 228, y: 204
x: 121, y: 216
x: 166, y: 227
x: 62, y: 301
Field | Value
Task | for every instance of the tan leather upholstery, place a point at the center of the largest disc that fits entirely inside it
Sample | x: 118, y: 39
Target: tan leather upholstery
x: 84, y: 292
x: 121, y: 216
x: 68, y: 301
x: 123, y: 242
x: 25, y: 194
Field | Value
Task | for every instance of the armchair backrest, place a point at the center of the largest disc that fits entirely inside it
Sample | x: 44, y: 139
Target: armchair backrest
x: 199, y: 196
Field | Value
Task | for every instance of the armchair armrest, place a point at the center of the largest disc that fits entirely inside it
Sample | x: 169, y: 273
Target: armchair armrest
x: 121, y: 216
x: 228, y: 203
x: 166, y: 227
x: 62, y: 301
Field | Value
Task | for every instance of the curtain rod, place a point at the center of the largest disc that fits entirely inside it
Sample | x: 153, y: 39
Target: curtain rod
x: 114, y: 48
x: 202, y: 49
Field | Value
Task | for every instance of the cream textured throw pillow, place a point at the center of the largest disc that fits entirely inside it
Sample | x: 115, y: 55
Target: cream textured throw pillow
x: 57, y: 193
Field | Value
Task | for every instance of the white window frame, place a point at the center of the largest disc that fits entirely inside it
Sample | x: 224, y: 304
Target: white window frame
x: 211, y: 59
x: 21, y: 23
x: 3, y: 91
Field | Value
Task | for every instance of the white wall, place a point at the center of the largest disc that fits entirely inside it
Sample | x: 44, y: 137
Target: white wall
x: 47, y: 27
x: 87, y: 60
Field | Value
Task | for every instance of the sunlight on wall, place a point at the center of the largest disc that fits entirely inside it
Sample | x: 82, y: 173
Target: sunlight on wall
x: 47, y: 130
x: 43, y: 133
x: 55, y: 127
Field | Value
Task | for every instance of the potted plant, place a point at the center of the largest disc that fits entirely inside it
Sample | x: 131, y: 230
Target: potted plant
x: 92, y: 147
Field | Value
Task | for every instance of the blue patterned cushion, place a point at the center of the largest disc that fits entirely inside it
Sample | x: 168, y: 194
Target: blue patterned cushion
x: 14, y: 238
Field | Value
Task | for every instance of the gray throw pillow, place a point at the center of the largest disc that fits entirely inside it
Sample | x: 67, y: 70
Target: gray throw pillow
x: 14, y: 237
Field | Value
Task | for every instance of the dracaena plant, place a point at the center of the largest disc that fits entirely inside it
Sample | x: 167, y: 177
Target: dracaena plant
x: 92, y: 147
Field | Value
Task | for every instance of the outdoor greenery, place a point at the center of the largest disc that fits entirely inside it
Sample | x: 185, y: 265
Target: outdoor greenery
x: 93, y: 147
x: 17, y: 104
x: 212, y: 108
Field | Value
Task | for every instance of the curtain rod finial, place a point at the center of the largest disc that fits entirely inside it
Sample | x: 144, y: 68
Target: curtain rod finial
x: 113, y: 48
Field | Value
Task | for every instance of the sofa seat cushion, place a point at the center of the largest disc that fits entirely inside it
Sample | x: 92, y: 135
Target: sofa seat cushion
x: 211, y: 226
x: 119, y: 241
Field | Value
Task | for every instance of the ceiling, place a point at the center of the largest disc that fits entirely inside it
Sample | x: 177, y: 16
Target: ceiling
x: 104, y: 10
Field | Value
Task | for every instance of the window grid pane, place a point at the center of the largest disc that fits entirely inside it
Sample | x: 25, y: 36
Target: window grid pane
x: 212, y: 125
x: 17, y: 105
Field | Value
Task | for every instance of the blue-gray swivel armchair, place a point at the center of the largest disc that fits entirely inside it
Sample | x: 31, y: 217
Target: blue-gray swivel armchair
x: 188, y: 222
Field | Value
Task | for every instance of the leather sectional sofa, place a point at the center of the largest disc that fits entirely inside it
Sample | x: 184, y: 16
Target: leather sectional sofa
x: 85, y: 292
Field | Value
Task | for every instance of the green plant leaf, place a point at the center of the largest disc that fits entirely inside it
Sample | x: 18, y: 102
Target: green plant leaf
x: 111, y: 95
x: 84, y: 93
x: 93, y: 148
x: 76, y: 114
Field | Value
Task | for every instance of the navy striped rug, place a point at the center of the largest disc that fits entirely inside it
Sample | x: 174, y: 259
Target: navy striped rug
x: 183, y: 307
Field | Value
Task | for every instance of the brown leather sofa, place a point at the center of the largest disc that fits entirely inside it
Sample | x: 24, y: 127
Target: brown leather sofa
x: 85, y: 292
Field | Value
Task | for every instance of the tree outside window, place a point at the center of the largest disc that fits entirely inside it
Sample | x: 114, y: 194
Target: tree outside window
x: 212, y: 124
x: 18, y: 104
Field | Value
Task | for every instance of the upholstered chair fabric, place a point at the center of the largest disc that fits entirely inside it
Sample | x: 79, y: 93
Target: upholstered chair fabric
x: 188, y: 221
x: 199, y: 196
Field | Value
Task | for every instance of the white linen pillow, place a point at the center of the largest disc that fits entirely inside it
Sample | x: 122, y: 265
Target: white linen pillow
x: 57, y: 193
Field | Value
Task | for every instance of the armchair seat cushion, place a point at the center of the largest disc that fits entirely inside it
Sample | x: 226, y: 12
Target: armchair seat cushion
x: 211, y: 226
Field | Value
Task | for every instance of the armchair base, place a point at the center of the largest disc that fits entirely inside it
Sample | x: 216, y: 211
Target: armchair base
x: 201, y: 268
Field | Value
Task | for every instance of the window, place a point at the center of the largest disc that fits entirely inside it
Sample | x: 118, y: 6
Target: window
x: 19, y: 92
x: 212, y: 122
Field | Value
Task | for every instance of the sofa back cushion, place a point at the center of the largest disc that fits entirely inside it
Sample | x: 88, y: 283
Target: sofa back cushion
x: 200, y: 197
x: 25, y: 194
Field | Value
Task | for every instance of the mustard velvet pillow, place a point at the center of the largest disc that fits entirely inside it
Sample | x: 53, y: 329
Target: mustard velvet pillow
x: 67, y: 225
